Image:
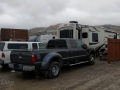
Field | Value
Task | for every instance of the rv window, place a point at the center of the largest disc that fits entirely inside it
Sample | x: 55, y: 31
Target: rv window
x: 73, y: 44
x: 85, y: 35
x: 67, y: 33
x: 95, y: 37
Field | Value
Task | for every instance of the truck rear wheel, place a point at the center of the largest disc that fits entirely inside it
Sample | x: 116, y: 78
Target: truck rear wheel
x: 54, y: 70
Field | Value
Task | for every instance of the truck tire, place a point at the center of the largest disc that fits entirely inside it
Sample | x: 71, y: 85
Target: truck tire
x: 91, y: 59
x: 54, y: 70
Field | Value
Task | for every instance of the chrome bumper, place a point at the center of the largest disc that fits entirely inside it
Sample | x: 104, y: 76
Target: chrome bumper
x: 28, y: 68
x: 22, y: 67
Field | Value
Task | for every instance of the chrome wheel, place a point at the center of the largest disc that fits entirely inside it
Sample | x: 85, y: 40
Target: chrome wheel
x: 91, y: 59
x: 55, y: 70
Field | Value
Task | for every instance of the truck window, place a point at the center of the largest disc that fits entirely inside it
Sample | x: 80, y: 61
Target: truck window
x: 22, y: 46
x: 51, y: 44
x: 41, y: 46
x: 34, y: 45
x: 85, y: 35
x: 57, y: 44
x: 12, y: 46
x: 95, y: 37
x: 17, y: 46
x: 79, y: 43
x: 73, y: 44
x: 60, y: 44
x: 2, y: 46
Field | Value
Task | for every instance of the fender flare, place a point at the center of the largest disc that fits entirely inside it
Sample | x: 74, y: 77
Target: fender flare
x: 47, y: 59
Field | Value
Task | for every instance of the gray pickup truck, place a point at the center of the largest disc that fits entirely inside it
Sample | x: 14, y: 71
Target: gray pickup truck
x: 59, y: 52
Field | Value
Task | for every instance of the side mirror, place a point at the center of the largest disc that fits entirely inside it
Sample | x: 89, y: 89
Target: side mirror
x: 84, y: 46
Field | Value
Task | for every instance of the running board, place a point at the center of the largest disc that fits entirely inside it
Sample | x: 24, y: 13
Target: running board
x: 78, y: 63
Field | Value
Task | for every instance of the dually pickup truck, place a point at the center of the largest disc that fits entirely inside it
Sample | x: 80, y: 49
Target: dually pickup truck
x: 59, y: 52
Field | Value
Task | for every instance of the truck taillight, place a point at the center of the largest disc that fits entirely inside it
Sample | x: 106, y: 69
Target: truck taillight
x: 2, y: 55
x: 33, y: 58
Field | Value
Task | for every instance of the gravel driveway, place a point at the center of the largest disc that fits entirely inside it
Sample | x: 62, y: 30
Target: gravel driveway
x: 101, y: 76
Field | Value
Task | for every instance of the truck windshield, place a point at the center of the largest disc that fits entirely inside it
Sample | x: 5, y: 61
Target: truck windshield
x: 2, y: 46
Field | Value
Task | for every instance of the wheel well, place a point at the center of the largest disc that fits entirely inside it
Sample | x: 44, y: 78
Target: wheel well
x: 57, y: 59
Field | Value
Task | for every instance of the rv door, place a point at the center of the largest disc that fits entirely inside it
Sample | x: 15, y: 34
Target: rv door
x: 85, y: 36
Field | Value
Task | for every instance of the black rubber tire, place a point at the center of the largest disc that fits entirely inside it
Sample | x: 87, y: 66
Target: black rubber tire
x: 54, y: 70
x: 4, y: 65
x: 91, y: 59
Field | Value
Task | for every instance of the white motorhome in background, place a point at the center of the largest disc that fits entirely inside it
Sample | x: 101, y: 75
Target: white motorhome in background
x: 46, y: 38
x: 42, y: 38
x: 93, y: 36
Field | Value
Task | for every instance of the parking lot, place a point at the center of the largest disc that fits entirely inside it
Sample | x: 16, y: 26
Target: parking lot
x: 101, y: 76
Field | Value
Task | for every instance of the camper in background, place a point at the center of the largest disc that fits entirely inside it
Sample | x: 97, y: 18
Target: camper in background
x: 93, y: 36
x: 43, y: 38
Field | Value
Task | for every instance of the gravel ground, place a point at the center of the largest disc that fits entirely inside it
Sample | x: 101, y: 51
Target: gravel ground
x: 101, y: 76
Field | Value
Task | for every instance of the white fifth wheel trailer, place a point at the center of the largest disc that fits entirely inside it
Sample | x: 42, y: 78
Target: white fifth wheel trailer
x: 92, y: 36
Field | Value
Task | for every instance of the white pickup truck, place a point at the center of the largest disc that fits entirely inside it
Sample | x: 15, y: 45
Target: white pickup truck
x: 7, y: 46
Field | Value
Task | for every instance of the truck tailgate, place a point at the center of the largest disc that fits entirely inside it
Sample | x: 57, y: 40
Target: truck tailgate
x: 21, y: 57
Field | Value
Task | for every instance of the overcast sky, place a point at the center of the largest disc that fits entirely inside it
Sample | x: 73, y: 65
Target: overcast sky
x: 28, y: 14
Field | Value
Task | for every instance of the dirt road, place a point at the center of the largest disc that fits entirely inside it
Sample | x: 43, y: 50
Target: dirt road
x: 101, y: 76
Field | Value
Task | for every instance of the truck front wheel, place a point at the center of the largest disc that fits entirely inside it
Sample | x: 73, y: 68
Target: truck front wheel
x: 91, y: 59
x: 54, y: 70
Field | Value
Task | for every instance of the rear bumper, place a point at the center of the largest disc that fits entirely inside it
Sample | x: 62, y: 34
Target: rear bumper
x: 22, y: 67
x: 1, y: 61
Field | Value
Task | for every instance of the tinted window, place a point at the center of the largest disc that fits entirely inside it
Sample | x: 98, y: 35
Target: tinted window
x: 17, y: 46
x: 84, y: 35
x: 57, y: 44
x: 12, y: 46
x: 2, y: 46
x: 22, y: 46
x: 94, y: 37
x: 34, y: 45
x: 79, y: 43
x: 41, y: 46
x: 51, y: 43
x: 73, y: 44
x: 61, y: 44
x: 66, y: 33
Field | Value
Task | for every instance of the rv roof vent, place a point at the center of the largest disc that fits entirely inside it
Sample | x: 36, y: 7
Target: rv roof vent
x: 73, y: 21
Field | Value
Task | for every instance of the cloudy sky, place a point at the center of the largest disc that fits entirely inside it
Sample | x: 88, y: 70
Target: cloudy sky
x: 42, y: 13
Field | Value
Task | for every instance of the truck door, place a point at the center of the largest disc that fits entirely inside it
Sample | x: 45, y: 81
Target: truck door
x: 74, y: 52
x: 82, y: 52
x: 85, y: 36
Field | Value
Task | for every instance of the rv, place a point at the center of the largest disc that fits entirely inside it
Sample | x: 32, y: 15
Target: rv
x: 43, y: 38
x: 93, y: 36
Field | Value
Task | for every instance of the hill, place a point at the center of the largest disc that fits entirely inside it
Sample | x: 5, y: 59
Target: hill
x: 53, y: 29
